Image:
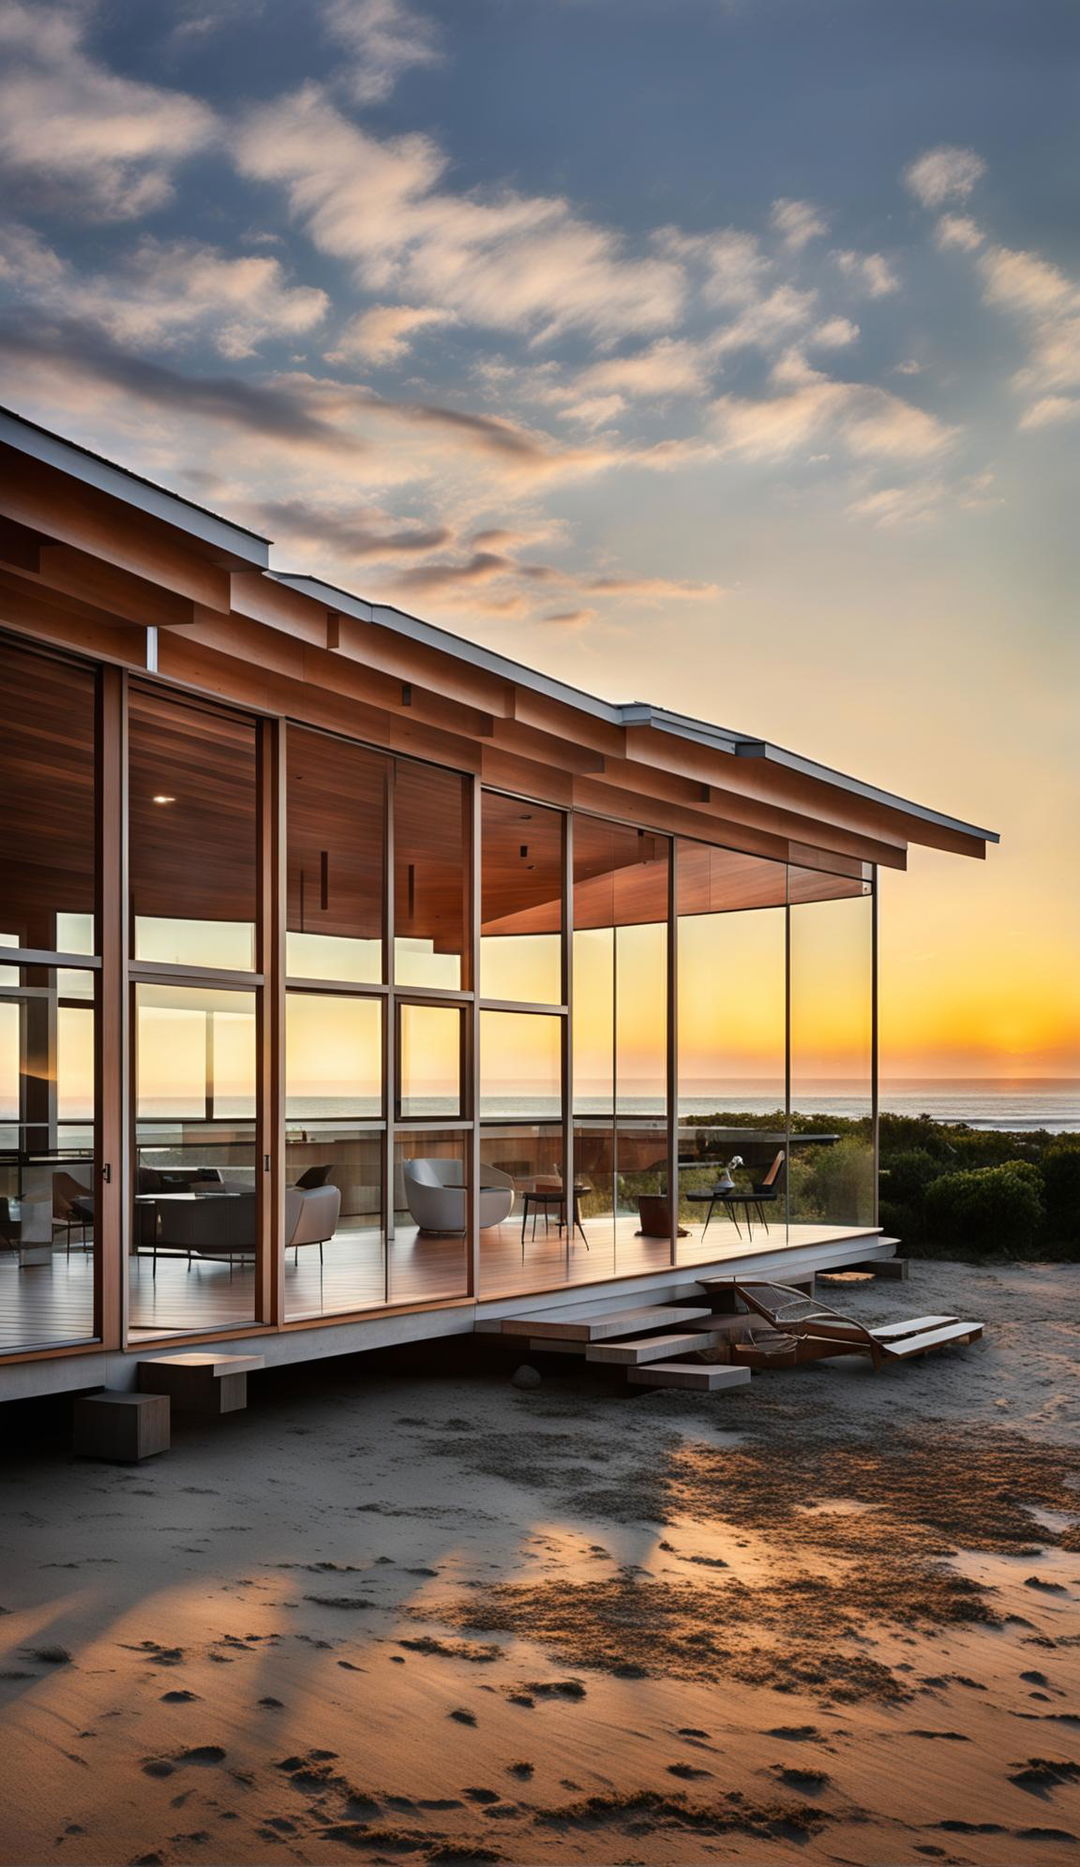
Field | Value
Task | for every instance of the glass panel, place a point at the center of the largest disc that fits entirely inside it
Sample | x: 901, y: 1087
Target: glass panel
x: 336, y: 806
x: 524, y: 1244
x: 194, y: 1224
x: 428, y: 1252
x: 193, y: 834
x: 620, y: 1032
x: 429, y: 1060
x: 47, y: 1178
x: 334, y: 1235
x: 520, y: 1064
x: 521, y: 914
x: 47, y: 782
x: 731, y: 976
x: 832, y: 1165
x: 595, y: 1180
x: 431, y: 876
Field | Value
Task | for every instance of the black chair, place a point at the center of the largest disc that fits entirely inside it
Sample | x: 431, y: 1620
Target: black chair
x: 759, y: 1196
x: 313, y: 1176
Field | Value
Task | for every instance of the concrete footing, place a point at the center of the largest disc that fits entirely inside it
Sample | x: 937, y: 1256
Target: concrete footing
x: 122, y: 1427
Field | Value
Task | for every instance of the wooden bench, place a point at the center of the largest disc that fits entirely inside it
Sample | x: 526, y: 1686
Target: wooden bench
x: 200, y: 1383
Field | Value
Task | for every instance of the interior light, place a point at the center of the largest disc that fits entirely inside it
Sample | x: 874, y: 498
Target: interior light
x: 160, y: 797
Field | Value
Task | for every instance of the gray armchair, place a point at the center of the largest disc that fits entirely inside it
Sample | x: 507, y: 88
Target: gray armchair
x: 436, y: 1197
x: 311, y: 1216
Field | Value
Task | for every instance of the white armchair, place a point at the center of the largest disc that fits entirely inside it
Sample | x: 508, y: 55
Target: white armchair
x: 436, y: 1197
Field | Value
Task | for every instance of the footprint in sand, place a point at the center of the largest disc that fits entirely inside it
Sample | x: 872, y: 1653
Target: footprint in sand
x: 462, y: 1717
x: 687, y: 1771
x: 795, y: 1733
x: 1042, y: 1775
x: 178, y: 1698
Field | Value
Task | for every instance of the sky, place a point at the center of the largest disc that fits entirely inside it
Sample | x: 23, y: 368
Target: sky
x: 721, y: 353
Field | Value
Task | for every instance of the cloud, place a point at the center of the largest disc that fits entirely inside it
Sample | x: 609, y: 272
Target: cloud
x: 834, y: 334
x: 668, y: 367
x: 362, y: 532
x: 807, y: 405
x: 518, y: 262
x: 797, y: 223
x: 732, y: 264
x: 1050, y: 409
x: 946, y: 173
x: 75, y: 137
x: 168, y: 291
x: 871, y: 272
x: 383, y: 39
x: 662, y: 588
x: 958, y: 230
x: 570, y: 618
x: 384, y: 333
x: 67, y: 354
x: 924, y: 502
x: 1047, y: 304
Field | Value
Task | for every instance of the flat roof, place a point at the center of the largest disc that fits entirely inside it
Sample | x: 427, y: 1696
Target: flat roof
x: 239, y: 541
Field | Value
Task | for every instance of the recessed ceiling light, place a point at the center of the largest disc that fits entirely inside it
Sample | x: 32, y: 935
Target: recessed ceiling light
x: 161, y: 798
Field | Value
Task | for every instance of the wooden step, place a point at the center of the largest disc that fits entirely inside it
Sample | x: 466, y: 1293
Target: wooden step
x: 912, y: 1325
x: 703, y: 1375
x: 650, y: 1348
x: 909, y: 1345
x: 603, y: 1326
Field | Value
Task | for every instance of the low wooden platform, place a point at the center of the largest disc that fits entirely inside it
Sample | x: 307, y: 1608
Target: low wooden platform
x: 702, y: 1376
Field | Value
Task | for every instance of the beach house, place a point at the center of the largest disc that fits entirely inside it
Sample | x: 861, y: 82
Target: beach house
x: 359, y: 984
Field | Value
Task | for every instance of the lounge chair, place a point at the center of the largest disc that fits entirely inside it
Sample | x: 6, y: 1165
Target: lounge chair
x: 818, y: 1331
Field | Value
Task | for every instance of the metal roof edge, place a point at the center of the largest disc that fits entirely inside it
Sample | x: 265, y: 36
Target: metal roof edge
x: 53, y: 450
x: 824, y: 774
x: 386, y: 616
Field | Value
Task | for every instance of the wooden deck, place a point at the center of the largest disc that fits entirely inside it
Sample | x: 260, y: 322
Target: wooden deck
x: 50, y: 1305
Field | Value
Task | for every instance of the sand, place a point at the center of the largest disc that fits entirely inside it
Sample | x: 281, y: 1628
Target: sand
x: 403, y: 1611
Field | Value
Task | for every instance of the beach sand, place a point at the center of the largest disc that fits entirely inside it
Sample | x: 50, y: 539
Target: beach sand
x: 400, y: 1610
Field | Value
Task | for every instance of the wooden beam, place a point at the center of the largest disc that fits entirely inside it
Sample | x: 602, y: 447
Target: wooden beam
x: 20, y: 548
x: 74, y: 513
x: 115, y: 592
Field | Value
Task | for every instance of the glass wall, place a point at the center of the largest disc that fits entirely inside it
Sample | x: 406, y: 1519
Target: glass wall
x: 392, y: 1051
x: 335, y: 1257
x: 732, y: 994
x: 193, y: 857
x: 428, y: 1250
x: 431, y: 877
x: 194, y: 1232
x: 48, y: 887
x: 193, y: 851
x: 620, y: 987
x: 47, y: 1176
x: 832, y: 1167
x: 336, y: 808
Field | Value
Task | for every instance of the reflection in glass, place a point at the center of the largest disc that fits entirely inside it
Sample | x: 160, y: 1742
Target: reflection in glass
x: 732, y: 1060
x: 334, y: 1233
x: 47, y: 782
x: 520, y: 1064
x: 430, y: 876
x: 429, y: 1060
x: 336, y: 808
x: 528, y: 1248
x: 831, y: 1181
x: 47, y: 1178
x: 193, y: 833
x: 428, y: 1254
x: 521, y: 901
x: 194, y: 1225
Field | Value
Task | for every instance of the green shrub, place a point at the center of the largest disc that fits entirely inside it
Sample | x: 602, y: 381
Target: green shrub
x: 835, y: 1184
x: 985, y: 1210
x: 1060, y: 1167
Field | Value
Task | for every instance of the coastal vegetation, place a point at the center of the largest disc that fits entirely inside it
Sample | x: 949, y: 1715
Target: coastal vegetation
x: 947, y: 1190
